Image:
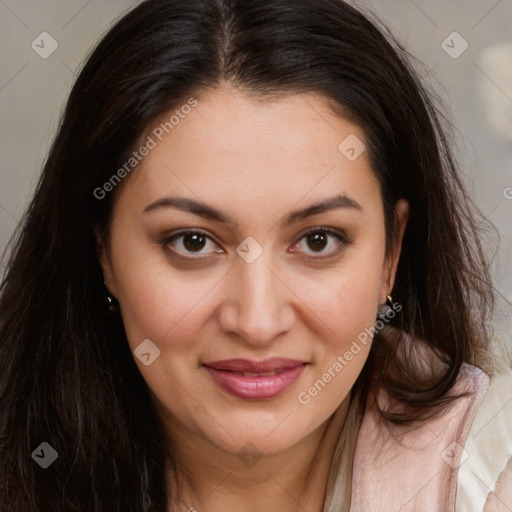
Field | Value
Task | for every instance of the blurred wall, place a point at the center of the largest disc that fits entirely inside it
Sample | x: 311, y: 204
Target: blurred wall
x: 464, y: 52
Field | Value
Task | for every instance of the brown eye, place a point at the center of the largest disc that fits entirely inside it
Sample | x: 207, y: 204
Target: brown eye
x: 317, y: 241
x: 322, y: 241
x: 194, y: 242
x: 190, y: 242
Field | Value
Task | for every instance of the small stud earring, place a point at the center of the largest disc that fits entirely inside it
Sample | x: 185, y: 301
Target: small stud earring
x: 111, y: 302
x: 386, y: 308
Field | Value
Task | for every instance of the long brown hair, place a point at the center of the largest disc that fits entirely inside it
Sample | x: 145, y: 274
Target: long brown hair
x: 67, y: 376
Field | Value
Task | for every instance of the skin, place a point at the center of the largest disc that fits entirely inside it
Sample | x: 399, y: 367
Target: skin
x: 256, y: 162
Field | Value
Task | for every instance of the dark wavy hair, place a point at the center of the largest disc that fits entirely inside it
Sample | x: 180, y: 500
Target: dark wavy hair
x: 67, y: 376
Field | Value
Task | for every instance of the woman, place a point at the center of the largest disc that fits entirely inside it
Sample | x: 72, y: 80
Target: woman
x: 235, y: 286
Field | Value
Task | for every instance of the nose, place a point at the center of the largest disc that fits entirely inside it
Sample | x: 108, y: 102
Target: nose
x: 259, y: 304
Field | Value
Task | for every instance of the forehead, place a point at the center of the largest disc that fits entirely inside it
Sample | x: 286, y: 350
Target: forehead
x: 233, y: 147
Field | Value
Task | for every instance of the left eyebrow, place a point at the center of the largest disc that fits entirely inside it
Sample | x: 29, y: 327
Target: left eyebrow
x: 333, y: 203
x: 211, y: 213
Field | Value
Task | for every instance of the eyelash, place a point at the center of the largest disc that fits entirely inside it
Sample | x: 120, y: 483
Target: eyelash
x: 341, y: 238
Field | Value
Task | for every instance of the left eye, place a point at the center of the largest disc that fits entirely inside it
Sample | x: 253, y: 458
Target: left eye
x: 319, y: 238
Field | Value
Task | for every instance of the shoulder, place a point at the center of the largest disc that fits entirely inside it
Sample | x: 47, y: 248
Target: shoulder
x: 430, y: 461
x: 485, y: 473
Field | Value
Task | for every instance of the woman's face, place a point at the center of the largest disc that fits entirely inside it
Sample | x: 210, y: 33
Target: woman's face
x: 253, y: 293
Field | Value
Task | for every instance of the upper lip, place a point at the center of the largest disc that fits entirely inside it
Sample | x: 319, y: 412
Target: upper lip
x: 246, y: 365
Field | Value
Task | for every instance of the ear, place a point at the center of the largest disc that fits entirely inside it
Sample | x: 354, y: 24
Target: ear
x: 104, y: 261
x: 402, y: 209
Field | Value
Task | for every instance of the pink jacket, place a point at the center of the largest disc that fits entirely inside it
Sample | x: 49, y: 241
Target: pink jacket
x: 460, y: 462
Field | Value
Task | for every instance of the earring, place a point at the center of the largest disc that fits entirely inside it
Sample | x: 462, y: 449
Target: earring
x: 111, y: 302
x: 386, y: 308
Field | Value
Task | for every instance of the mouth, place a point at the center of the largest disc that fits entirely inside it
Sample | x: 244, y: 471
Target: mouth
x: 255, y: 380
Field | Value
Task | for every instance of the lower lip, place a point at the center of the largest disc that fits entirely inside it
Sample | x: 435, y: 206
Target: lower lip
x: 258, y: 387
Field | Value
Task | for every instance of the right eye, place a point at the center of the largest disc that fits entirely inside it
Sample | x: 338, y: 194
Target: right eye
x: 191, y: 242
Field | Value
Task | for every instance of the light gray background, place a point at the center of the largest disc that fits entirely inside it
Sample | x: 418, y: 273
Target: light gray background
x: 476, y: 88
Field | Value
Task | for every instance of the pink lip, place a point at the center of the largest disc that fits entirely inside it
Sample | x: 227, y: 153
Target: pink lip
x: 257, y: 387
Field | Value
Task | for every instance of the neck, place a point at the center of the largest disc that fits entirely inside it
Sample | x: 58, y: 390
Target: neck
x: 208, y: 479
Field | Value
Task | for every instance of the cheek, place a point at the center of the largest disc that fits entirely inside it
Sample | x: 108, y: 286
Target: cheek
x: 162, y: 307
x: 155, y: 297
x: 347, y: 304
x: 170, y: 311
x: 347, y: 300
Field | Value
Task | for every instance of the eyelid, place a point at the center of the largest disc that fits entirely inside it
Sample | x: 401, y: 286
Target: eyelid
x: 326, y: 229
